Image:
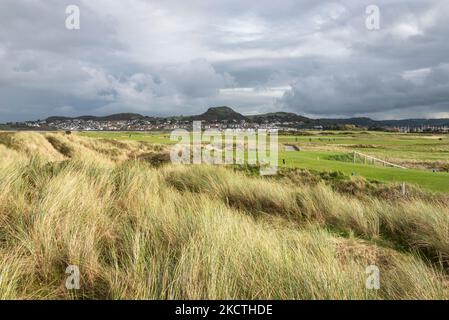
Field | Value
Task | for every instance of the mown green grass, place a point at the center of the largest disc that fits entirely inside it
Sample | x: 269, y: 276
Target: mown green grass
x: 378, y: 138
x: 435, y: 181
x: 391, y: 146
x: 388, y: 146
x: 417, y: 142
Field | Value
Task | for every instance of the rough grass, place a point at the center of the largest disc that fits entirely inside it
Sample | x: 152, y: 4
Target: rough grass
x: 139, y: 231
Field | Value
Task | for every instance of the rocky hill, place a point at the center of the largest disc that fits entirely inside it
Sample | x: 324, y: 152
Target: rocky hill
x: 220, y: 114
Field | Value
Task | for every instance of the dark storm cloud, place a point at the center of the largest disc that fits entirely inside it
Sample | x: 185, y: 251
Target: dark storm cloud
x: 359, y: 93
x: 179, y: 57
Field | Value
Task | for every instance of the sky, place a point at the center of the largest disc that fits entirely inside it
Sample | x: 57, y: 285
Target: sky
x: 315, y: 58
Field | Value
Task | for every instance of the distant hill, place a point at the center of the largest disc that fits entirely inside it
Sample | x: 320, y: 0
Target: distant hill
x: 228, y: 114
x: 370, y: 123
x: 361, y: 122
x: 415, y: 122
x: 220, y: 114
x: 113, y: 117
x: 279, y: 117
x: 212, y: 114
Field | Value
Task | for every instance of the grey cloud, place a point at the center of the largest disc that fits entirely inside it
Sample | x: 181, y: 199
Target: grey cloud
x: 360, y: 93
x: 176, y: 57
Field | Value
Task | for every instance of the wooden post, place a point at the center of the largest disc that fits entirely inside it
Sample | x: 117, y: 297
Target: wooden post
x: 403, y: 188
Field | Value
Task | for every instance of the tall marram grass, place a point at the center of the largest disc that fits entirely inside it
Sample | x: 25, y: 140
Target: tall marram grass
x: 140, y: 232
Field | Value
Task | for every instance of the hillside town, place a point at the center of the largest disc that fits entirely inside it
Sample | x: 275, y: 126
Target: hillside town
x: 166, y: 125
x: 222, y: 118
x: 158, y: 125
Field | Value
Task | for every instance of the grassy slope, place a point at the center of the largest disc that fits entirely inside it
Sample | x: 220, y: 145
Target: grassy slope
x: 318, y: 161
x: 180, y: 232
x: 388, y: 146
x: 384, y: 145
x: 162, y: 138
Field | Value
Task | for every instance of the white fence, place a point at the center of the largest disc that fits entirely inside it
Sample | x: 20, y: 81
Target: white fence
x: 373, y: 160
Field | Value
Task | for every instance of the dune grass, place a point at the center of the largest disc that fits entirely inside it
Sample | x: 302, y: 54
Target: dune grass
x: 137, y: 231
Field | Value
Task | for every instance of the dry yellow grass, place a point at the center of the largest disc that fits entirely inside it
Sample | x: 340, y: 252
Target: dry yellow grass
x: 140, y: 232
